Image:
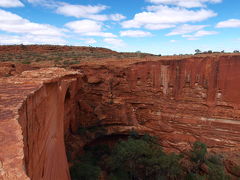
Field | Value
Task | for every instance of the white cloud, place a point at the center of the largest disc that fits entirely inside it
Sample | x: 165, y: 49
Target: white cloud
x: 81, y: 11
x: 204, y: 33
x: 84, y: 26
x: 87, y: 11
x: 46, y: 3
x: 13, y: 23
x: 158, y: 26
x: 231, y: 23
x: 11, y: 3
x: 164, y: 15
x: 31, y: 39
x: 135, y: 33
x: 116, y: 17
x: 88, y: 28
x: 198, y: 34
x: 36, y: 1
x: 131, y: 24
x: 28, y: 32
x: 186, y: 28
x: 173, y: 41
x: 185, y: 3
x: 90, y: 41
x: 100, y: 34
x: 115, y: 42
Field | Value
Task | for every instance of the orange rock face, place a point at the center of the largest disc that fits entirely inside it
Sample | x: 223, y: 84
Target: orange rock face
x: 177, y: 100
x: 32, y: 125
x: 9, y: 69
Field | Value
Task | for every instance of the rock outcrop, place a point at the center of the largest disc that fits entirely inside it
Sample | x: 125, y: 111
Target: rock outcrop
x: 9, y: 68
x: 179, y: 100
x: 32, y: 124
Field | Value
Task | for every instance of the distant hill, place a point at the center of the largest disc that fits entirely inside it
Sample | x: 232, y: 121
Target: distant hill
x: 59, y: 55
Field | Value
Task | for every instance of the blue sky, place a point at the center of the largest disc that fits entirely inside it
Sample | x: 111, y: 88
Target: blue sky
x: 153, y: 26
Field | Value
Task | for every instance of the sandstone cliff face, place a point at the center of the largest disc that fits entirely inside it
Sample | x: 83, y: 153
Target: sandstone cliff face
x: 32, y: 125
x: 178, y: 100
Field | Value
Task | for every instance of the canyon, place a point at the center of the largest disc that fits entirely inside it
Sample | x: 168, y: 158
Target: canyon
x: 178, y: 99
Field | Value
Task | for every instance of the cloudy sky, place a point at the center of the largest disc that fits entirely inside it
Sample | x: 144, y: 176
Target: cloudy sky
x: 154, y: 26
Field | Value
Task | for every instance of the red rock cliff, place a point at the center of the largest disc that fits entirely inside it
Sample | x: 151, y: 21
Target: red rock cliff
x: 32, y: 124
x: 179, y: 100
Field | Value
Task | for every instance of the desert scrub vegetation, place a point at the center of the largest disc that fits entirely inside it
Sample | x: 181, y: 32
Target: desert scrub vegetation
x: 142, y: 158
x: 26, y: 61
x: 60, y: 54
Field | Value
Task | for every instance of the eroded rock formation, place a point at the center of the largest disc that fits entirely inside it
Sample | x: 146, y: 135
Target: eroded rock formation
x: 32, y: 124
x: 9, y: 68
x: 178, y: 100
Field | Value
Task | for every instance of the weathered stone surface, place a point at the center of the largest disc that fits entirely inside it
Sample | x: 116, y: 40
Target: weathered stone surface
x: 178, y: 100
x: 232, y: 167
x: 31, y: 125
x: 10, y: 68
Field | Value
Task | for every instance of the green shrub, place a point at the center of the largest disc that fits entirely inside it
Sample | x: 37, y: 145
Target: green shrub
x: 26, y: 62
x: 84, y: 171
x: 98, y: 151
x: 193, y: 176
x: 216, y: 172
x: 82, y: 131
x: 215, y: 159
x: 140, y: 157
x: 199, y: 152
x: 213, y: 162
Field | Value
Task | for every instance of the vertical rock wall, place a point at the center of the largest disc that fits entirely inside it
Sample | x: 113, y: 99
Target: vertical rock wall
x: 179, y: 100
x: 42, y: 118
x: 40, y: 133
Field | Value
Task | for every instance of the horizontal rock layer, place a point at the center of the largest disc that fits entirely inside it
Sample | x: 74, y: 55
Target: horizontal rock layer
x: 178, y: 100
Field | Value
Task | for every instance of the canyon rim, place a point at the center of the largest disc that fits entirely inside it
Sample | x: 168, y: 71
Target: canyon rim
x: 178, y: 99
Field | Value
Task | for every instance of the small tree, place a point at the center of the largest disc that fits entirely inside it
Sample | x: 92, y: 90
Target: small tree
x: 143, y: 158
x: 85, y: 170
x: 199, y: 152
x: 197, y: 51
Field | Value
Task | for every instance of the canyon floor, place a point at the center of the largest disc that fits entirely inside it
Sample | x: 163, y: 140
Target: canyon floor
x: 48, y: 93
